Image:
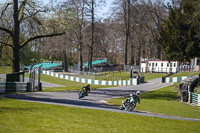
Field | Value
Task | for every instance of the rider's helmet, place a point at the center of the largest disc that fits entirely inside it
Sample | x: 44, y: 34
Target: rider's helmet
x: 138, y: 93
x: 131, y: 95
x: 88, y: 86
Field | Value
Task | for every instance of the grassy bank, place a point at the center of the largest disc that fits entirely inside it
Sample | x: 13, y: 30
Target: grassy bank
x: 68, y: 85
x: 150, y: 76
x: 18, y: 116
x: 164, y: 101
x: 5, y: 69
x: 126, y: 76
x: 185, y: 74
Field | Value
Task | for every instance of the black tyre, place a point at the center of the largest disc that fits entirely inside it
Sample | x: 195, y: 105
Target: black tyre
x: 121, y: 107
x: 81, y: 94
x: 131, y: 107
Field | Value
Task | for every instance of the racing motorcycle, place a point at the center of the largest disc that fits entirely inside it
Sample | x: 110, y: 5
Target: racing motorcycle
x: 84, y: 91
x: 130, y: 103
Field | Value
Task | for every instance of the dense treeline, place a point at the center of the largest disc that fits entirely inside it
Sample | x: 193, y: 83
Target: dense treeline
x: 71, y: 31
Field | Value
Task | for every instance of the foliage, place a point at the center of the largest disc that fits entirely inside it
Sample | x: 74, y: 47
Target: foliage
x: 164, y: 101
x: 5, y: 69
x: 25, y: 22
x: 185, y: 74
x: 179, y: 33
x: 6, y: 57
x: 197, y: 89
x: 20, y: 116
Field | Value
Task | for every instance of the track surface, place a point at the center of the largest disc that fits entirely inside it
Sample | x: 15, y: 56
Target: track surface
x: 97, y: 98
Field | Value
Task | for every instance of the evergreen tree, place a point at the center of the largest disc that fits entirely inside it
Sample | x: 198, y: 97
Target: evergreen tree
x: 179, y: 33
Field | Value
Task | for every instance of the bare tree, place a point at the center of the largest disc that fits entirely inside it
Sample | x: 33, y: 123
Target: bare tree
x: 20, y: 14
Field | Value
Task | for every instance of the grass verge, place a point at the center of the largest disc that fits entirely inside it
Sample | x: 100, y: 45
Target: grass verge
x: 68, y: 85
x: 164, y: 101
x: 150, y: 76
x: 185, y: 74
x: 19, y: 116
x: 126, y: 76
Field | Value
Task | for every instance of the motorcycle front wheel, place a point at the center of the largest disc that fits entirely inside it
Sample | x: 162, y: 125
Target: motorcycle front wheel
x: 121, y: 107
x: 81, y: 94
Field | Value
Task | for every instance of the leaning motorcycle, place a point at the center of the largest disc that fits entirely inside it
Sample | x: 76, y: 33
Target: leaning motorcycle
x: 130, y: 103
x: 84, y: 91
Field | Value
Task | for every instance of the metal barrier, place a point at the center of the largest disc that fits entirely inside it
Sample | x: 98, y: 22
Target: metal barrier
x: 34, y: 78
x: 186, y: 88
x: 132, y: 81
x: 194, y: 98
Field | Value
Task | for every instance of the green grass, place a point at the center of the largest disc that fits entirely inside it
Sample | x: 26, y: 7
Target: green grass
x: 27, y: 117
x: 113, y: 76
x: 126, y: 76
x: 150, y: 76
x: 68, y: 85
x: 197, y: 89
x: 164, y: 101
x: 185, y: 74
x: 5, y: 69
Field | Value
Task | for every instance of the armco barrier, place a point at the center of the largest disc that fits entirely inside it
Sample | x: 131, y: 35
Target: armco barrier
x: 195, y: 98
x: 174, y: 79
x: 92, y: 81
x: 14, y: 87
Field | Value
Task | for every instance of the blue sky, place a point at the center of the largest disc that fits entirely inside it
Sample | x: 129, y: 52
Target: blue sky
x: 102, y: 11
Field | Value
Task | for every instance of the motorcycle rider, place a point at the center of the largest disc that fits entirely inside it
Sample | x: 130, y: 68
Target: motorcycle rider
x: 130, y: 102
x: 137, y: 96
x: 86, y: 89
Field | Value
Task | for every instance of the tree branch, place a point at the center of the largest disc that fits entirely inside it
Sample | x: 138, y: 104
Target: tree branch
x: 33, y: 14
x: 87, y: 4
x: 21, y: 11
x: 5, y: 9
x: 6, y: 30
x: 38, y: 37
x: 6, y: 44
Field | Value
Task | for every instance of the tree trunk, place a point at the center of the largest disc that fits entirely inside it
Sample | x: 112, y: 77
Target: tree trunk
x: 65, y: 61
x: 132, y: 55
x: 15, y: 37
x: 92, y: 40
x: 158, y: 51
x: 81, y: 60
x: 1, y: 47
x: 127, y: 25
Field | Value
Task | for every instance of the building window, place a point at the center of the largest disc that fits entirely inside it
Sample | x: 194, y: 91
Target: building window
x: 161, y: 64
x: 152, y: 64
x: 170, y: 64
x: 174, y: 64
x: 156, y: 64
x: 167, y: 64
x: 149, y: 64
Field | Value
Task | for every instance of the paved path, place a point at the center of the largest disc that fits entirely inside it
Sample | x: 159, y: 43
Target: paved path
x: 44, y: 84
x: 97, y: 98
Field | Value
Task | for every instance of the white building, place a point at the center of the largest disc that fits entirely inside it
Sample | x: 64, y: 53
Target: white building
x: 160, y: 66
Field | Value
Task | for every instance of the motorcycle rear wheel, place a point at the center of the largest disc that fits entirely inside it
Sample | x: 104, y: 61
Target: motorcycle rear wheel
x: 131, y: 107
